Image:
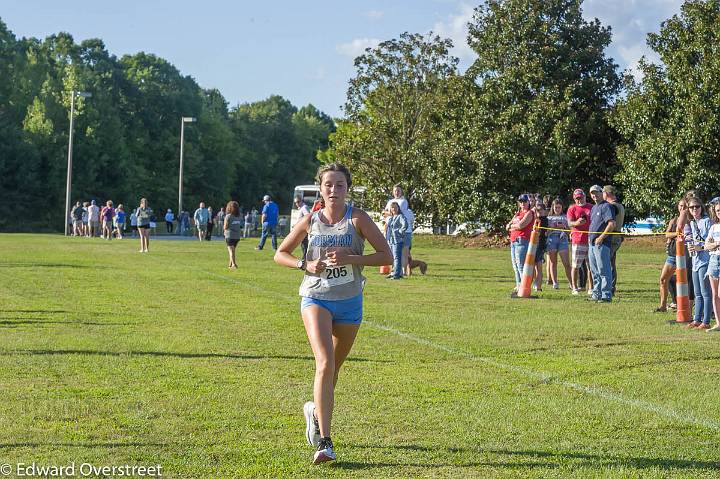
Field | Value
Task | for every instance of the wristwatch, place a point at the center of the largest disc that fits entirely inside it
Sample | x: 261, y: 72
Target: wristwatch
x: 301, y: 264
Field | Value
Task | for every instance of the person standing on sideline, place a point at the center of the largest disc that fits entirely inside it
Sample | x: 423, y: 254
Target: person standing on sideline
x: 398, y: 198
x: 303, y: 211
x: 269, y: 223
x: 232, y: 229
x: 144, y: 214
x: 520, y: 228
x: 76, y: 214
x: 220, y: 220
x: 557, y: 243
x: 169, y: 218
x: 602, y: 222
x: 210, y: 224
x: 616, y: 240
x: 397, y: 226
x: 201, y: 220
x: 331, y: 291
x: 578, y: 216
x: 700, y: 228
x: 94, y: 215
x: 120, y: 221
x: 86, y: 219
x: 108, y: 213
x: 712, y: 244
x: 247, y: 230
x: 133, y: 223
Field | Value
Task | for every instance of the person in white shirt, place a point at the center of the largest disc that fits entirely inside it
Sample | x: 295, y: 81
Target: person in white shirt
x: 94, y: 218
x: 304, y: 211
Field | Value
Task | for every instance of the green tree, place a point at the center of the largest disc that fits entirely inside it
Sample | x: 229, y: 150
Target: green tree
x: 393, y: 111
x: 670, y: 120
x: 540, y: 116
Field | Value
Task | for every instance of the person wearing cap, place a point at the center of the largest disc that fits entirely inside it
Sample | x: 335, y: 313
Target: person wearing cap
x: 303, y: 211
x: 520, y: 228
x: 602, y: 222
x: 269, y: 223
x: 610, y: 195
x: 578, y: 216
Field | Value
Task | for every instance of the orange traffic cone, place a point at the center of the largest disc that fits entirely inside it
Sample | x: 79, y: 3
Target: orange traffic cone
x: 682, y: 298
x: 385, y: 269
x: 529, y: 267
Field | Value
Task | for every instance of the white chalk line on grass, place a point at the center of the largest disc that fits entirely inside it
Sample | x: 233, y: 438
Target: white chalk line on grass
x: 596, y: 391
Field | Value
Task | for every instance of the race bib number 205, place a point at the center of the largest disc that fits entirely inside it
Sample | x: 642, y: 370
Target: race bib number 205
x: 335, y: 275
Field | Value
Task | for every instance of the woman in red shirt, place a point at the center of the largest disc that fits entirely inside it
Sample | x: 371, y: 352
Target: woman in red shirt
x: 520, y: 228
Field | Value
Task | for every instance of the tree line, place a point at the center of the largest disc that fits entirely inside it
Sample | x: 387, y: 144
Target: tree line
x: 127, y: 135
x: 541, y: 109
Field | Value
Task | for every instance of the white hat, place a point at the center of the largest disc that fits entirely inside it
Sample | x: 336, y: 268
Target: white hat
x: 266, y: 198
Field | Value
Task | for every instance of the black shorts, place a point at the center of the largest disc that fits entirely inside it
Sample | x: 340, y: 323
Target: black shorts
x: 231, y: 242
x: 145, y: 227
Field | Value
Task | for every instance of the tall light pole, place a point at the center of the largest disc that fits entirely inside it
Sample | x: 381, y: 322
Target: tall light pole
x: 185, y: 119
x: 68, y: 186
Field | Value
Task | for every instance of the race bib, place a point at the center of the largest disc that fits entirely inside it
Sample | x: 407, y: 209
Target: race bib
x: 336, y: 275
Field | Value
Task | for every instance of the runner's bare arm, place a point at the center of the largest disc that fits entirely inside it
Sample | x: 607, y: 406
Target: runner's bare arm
x: 284, y: 256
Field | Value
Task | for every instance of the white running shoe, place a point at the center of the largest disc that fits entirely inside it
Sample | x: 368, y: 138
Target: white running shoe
x: 324, y: 452
x: 312, y: 428
x: 575, y: 292
x: 556, y: 286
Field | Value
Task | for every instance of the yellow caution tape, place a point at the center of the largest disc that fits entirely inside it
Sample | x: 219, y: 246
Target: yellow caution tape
x: 592, y: 232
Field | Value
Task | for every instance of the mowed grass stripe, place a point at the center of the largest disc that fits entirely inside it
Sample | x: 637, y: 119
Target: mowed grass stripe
x: 207, y: 376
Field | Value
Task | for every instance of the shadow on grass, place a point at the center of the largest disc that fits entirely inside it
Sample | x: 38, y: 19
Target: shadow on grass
x: 14, y: 322
x: 49, y: 265
x: 81, y: 444
x: 551, y: 460
x: 41, y: 311
x: 170, y: 354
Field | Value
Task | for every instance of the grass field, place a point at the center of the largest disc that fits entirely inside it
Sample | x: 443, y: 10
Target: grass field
x: 111, y: 357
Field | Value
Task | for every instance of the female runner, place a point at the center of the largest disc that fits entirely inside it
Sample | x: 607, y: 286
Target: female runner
x: 331, y: 290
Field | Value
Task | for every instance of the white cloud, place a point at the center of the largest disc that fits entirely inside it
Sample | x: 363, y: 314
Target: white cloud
x: 631, y: 21
x: 357, y: 46
x: 375, y: 14
x: 455, y: 27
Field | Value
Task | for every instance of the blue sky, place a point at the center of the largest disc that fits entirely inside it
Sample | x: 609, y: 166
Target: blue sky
x: 301, y: 50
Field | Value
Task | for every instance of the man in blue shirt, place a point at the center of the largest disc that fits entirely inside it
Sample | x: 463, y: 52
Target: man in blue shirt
x: 201, y: 217
x: 269, y: 222
x: 602, y: 222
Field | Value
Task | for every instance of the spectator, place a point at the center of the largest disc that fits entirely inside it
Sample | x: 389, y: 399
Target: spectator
x: 578, y: 216
x: 76, y: 214
x: 133, y: 223
x: 700, y: 228
x: 232, y: 228
x: 201, y: 220
x: 541, y: 214
x: 120, y: 221
x: 144, y: 215
x: 616, y: 239
x: 220, y: 220
x: 303, y: 211
x: 169, y: 218
x: 269, y: 223
x: 282, y: 223
x: 86, y: 219
x: 397, y: 228
x: 255, y: 217
x: 668, y: 270
x: 557, y: 243
x: 602, y: 222
x: 520, y: 228
x: 248, y: 225
x: 94, y: 217
x: 107, y: 214
x: 712, y: 244
x: 399, y: 199
x: 210, y: 224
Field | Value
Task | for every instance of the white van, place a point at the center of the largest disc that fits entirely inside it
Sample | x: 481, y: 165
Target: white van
x: 310, y: 193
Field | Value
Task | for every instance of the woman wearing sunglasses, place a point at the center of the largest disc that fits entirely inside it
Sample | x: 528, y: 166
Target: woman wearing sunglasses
x: 700, y: 226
